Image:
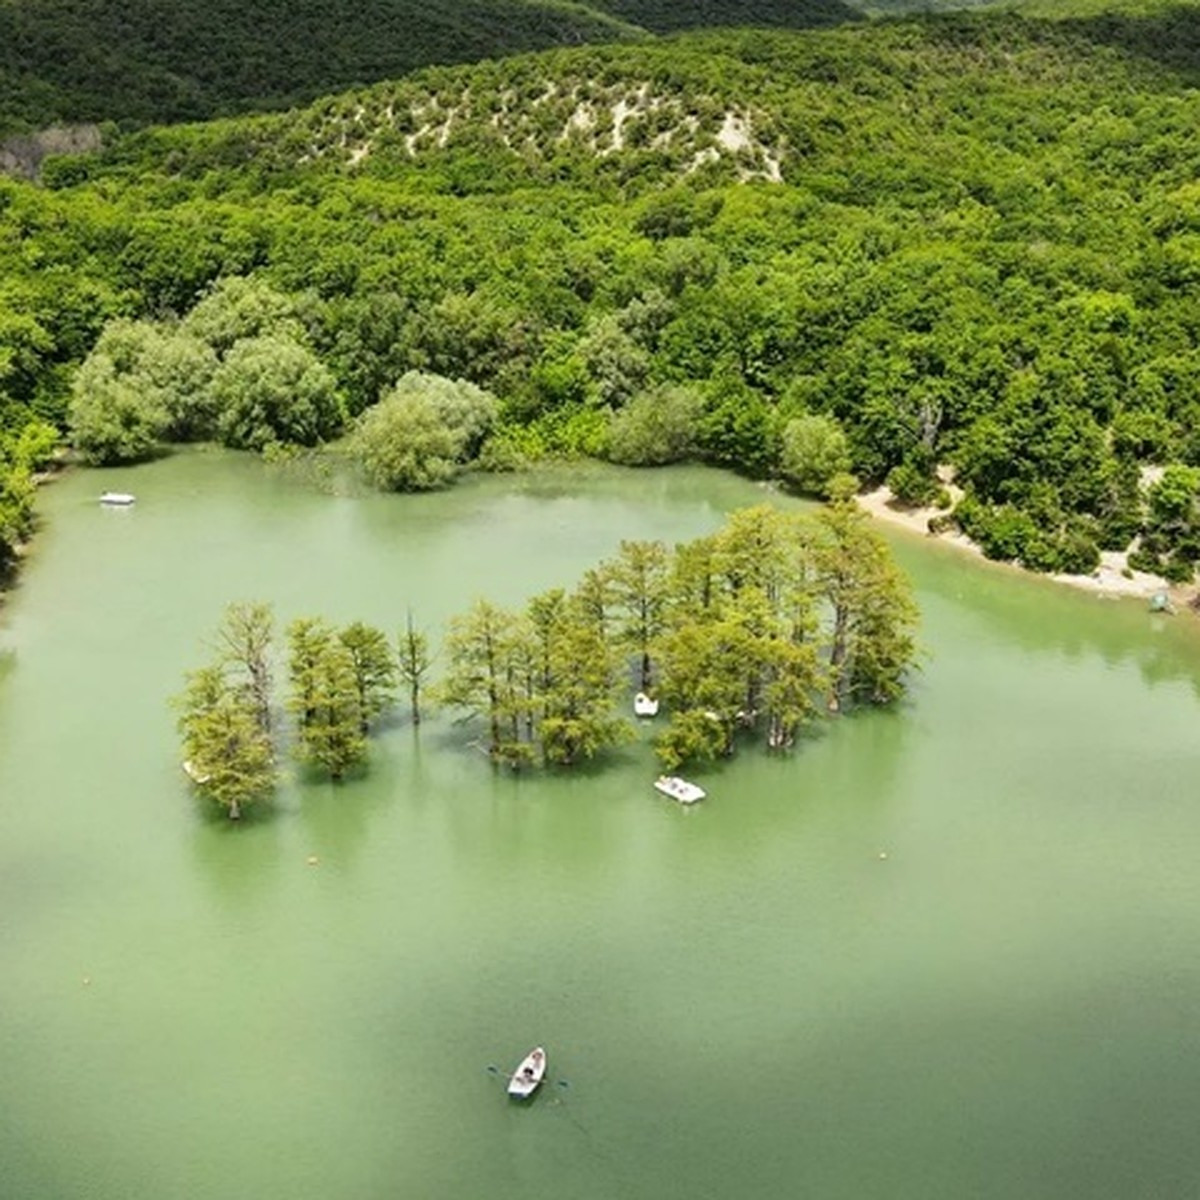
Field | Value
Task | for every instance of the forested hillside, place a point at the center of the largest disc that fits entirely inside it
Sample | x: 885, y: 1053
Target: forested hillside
x: 143, y: 60
x: 968, y: 240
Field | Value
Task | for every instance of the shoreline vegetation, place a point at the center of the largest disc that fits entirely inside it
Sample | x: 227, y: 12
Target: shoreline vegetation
x: 967, y: 240
x: 1113, y: 578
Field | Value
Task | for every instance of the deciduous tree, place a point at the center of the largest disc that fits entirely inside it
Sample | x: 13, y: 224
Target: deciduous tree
x: 229, y: 751
x: 244, y: 641
x: 414, y: 661
x: 374, y: 669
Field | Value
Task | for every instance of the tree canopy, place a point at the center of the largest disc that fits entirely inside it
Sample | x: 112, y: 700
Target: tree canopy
x: 422, y: 432
x: 964, y: 240
x: 747, y: 632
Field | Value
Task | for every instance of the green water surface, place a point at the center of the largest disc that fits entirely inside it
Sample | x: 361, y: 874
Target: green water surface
x: 745, y: 999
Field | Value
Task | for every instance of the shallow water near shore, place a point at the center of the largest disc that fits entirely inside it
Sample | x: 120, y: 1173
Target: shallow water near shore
x: 944, y: 950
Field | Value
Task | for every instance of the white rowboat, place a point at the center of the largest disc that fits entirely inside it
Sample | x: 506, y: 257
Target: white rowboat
x: 643, y: 706
x: 117, y: 499
x: 679, y: 789
x: 529, y: 1073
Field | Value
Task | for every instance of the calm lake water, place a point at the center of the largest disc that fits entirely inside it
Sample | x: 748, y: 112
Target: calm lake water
x: 745, y: 999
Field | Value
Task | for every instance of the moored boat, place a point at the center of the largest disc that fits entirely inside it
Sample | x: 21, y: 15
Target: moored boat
x: 117, y: 499
x: 679, y: 789
x: 529, y: 1074
x: 644, y: 706
x: 194, y: 773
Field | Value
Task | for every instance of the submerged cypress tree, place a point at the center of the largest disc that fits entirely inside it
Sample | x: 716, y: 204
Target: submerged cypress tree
x: 743, y: 633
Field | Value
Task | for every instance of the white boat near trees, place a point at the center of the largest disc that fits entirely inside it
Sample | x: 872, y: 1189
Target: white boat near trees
x: 529, y: 1074
x: 679, y: 789
x: 117, y: 499
x: 644, y: 706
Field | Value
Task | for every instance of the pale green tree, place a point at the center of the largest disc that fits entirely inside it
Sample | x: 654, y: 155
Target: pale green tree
x: 638, y: 586
x: 487, y: 665
x: 374, y: 669
x: 141, y: 383
x: 325, y: 698
x: 16, y: 509
x: 113, y: 420
x: 572, y: 687
x: 872, y: 641
x: 240, y: 307
x: 656, y: 427
x: 230, y: 754
x: 403, y: 445
x: 422, y: 432
x: 308, y: 640
x: 814, y: 450
x: 273, y: 389
x: 619, y: 367
x: 179, y: 368
x: 244, y: 641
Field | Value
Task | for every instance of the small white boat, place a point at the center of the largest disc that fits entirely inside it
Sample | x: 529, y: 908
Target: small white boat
x: 643, y: 706
x: 529, y: 1073
x: 679, y: 789
x: 195, y: 773
x: 118, y: 499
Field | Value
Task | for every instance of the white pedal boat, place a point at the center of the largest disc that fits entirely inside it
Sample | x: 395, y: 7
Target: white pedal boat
x: 194, y: 773
x: 679, y: 789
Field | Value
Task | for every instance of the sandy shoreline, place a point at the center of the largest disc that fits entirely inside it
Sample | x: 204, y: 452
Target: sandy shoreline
x: 1112, y: 578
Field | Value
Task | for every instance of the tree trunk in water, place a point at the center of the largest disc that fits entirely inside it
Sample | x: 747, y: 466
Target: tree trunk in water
x: 235, y: 810
x: 416, y: 703
x: 837, y: 657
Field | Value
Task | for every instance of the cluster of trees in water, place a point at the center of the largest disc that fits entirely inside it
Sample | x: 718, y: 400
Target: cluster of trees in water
x: 982, y: 254
x: 750, y: 632
x: 340, y: 681
x: 747, y: 632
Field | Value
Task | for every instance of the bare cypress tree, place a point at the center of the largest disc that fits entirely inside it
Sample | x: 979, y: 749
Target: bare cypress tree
x: 244, y: 640
x: 415, y: 660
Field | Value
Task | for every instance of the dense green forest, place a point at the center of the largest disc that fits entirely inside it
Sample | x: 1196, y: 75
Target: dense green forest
x: 969, y: 239
x: 142, y: 61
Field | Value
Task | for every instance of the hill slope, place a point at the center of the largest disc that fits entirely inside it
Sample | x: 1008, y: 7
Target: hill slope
x: 170, y: 60
x: 927, y: 101
x: 971, y: 239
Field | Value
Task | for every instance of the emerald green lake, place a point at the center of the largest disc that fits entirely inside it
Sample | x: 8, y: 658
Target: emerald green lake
x: 745, y: 998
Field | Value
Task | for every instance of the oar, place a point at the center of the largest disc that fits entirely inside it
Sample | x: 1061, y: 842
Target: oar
x: 492, y: 1069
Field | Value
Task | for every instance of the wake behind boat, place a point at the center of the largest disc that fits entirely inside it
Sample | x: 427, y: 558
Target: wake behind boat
x: 679, y: 789
x: 528, y: 1075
